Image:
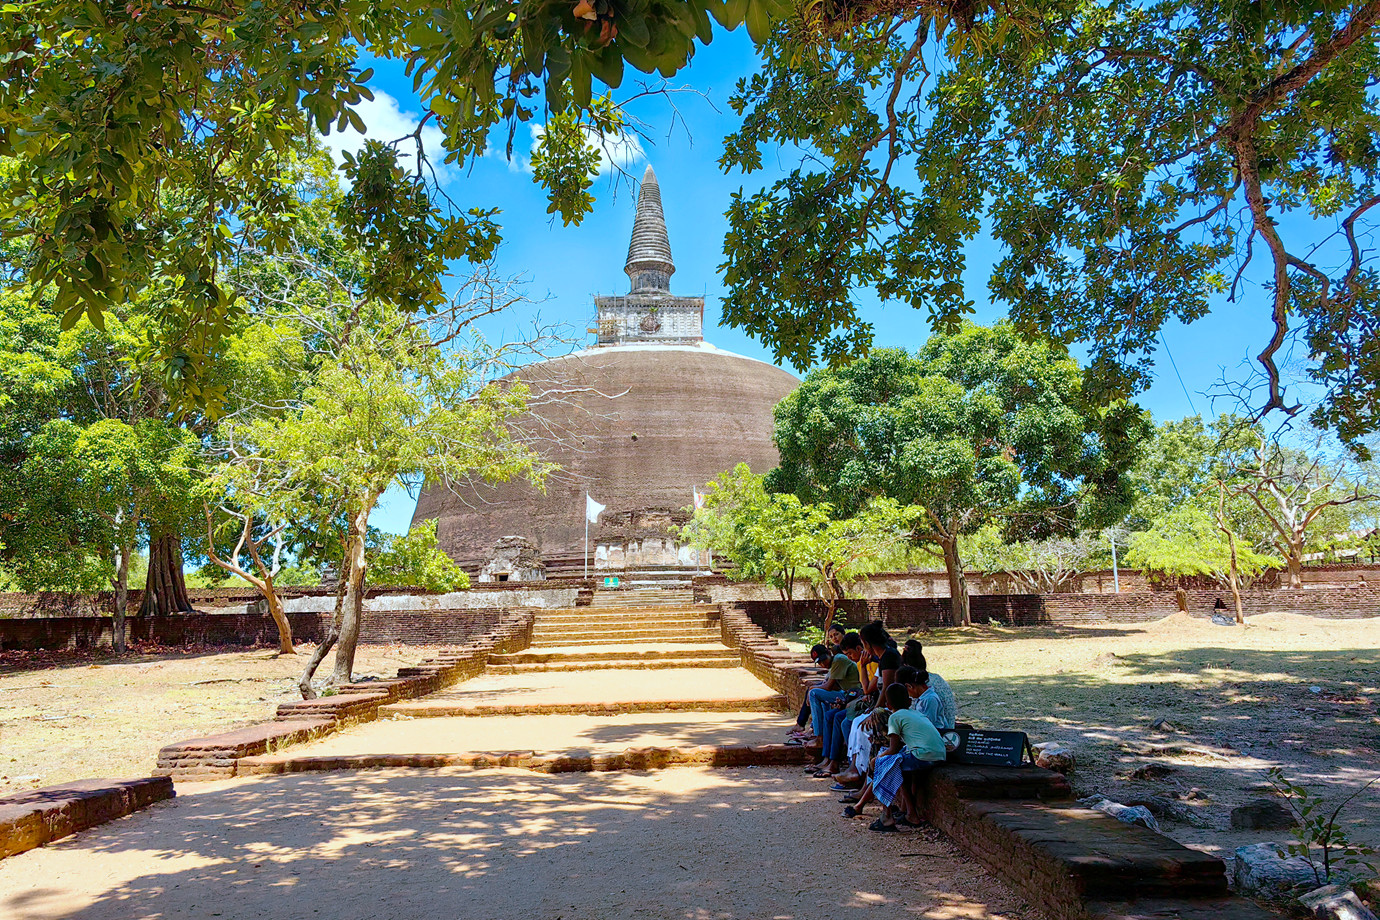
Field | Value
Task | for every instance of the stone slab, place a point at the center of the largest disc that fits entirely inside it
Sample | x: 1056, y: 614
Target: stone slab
x: 35, y: 818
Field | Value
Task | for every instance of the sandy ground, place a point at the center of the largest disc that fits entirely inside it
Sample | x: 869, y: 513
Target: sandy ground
x: 70, y: 716
x: 1285, y: 690
x: 610, y: 686
x: 685, y: 844
x: 553, y: 734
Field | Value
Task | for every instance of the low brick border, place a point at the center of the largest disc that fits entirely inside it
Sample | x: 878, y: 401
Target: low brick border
x: 653, y: 758
x: 216, y: 756
x: 32, y: 819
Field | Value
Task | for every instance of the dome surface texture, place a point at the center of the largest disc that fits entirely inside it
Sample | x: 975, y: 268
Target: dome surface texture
x: 638, y: 427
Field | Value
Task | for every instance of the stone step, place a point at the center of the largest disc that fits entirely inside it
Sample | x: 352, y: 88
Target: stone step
x: 691, y: 623
x: 628, y: 664
x: 586, y: 641
x: 621, y: 631
x: 623, y: 616
x: 441, y: 709
x: 622, y: 636
x: 614, y: 654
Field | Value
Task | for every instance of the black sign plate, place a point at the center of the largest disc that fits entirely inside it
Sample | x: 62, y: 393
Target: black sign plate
x: 991, y: 748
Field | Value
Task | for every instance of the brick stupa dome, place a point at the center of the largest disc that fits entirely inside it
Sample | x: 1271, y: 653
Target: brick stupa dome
x: 638, y: 421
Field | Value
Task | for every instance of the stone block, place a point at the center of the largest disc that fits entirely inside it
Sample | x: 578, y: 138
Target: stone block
x: 32, y: 819
x: 1263, y: 814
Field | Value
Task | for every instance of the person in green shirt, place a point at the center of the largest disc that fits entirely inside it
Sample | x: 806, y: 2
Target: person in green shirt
x: 842, y: 679
x: 914, y: 747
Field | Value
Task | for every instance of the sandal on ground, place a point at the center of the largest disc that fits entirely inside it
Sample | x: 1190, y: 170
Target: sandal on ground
x: 849, y: 800
x: 881, y: 828
x: 851, y: 812
x: 794, y: 742
x: 906, y: 822
x: 840, y: 787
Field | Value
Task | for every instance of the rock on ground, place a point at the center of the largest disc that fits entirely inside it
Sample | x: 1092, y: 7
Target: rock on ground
x: 1260, y: 870
x: 1263, y: 814
x: 1334, y: 902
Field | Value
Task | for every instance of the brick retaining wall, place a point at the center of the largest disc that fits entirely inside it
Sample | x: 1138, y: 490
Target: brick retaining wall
x: 217, y: 756
x: 38, y: 817
x: 1328, y: 603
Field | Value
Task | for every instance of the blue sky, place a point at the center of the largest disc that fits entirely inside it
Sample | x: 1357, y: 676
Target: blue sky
x: 565, y: 267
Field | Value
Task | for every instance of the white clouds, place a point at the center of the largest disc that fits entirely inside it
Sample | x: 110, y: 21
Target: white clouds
x: 616, y: 152
x: 384, y: 120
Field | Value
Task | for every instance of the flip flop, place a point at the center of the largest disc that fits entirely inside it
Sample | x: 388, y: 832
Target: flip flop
x: 794, y: 742
x: 851, y: 812
x: 881, y: 828
x: 849, y: 800
x: 840, y: 787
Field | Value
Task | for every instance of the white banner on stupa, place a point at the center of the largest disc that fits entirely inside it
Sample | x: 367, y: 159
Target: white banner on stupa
x: 592, y: 509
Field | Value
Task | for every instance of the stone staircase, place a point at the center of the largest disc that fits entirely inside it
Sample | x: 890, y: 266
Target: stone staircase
x: 581, y: 659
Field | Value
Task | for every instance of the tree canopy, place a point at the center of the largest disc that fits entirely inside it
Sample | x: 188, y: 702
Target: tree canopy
x: 981, y: 426
x: 1130, y: 159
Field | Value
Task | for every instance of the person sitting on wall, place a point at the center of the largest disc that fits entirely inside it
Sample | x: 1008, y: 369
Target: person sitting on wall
x: 873, y: 728
x: 923, y: 699
x: 821, y: 656
x: 914, y: 655
x: 833, y: 637
x: 915, y: 747
x: 841, y: 685
x: 880, y: 661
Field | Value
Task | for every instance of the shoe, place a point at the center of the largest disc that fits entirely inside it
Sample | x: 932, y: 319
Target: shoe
x: 840, y: 787
x: 850, y: 812
x: 881, y: 828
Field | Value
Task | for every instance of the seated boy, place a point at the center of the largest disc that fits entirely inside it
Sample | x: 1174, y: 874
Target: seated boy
x: 923, y: 699
x: 915, y: 747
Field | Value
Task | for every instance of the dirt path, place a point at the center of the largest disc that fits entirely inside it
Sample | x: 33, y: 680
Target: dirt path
x: 65, y: 717
x: 683, y: 844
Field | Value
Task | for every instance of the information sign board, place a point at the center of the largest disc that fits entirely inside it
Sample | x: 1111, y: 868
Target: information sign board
x: 992, y: 748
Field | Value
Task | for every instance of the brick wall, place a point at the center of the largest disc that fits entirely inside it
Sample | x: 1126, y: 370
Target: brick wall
x: 77, y: 632
x: 1010, y: 609
x: 1328, y: 603
x: 408, y: 627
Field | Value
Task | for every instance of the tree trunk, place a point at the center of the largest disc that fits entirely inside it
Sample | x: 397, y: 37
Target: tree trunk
x: 318, y: 656
x: 165, y: 591
x: 1295, y: 554
x: 118, y: 629
x: 1234, y: 572
x: 275, y: 610
x: 958, y: 584
x: 352, y: 607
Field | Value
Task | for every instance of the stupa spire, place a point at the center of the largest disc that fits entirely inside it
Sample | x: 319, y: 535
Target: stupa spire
x: 649, y: 264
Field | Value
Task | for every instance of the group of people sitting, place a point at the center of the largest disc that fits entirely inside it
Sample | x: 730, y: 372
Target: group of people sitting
x: 878, y: 718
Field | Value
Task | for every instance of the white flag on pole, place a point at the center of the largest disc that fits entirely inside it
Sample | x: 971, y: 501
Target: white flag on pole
x: 592, y: 509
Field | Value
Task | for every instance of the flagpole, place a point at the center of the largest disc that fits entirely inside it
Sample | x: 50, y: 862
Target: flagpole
x: 586, y: 546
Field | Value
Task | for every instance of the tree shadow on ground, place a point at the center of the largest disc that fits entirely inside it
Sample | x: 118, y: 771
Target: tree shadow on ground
x: 696, y: 844
x: 984, y: 633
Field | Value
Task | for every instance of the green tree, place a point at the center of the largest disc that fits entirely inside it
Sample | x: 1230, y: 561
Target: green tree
x: 778, y: 539
x: 1129, y: 158
x: 1189, y: 541
x: 82, y: 375
x: 415, y: 560
x: 393, y: 404
x: 93, y: 493
x: 978, y: 427
x: 145, y: 139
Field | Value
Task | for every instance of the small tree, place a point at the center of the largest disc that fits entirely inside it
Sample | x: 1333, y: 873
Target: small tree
x: 415, y: 560
x: 1189, y: 541
x: 1040, y: 566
